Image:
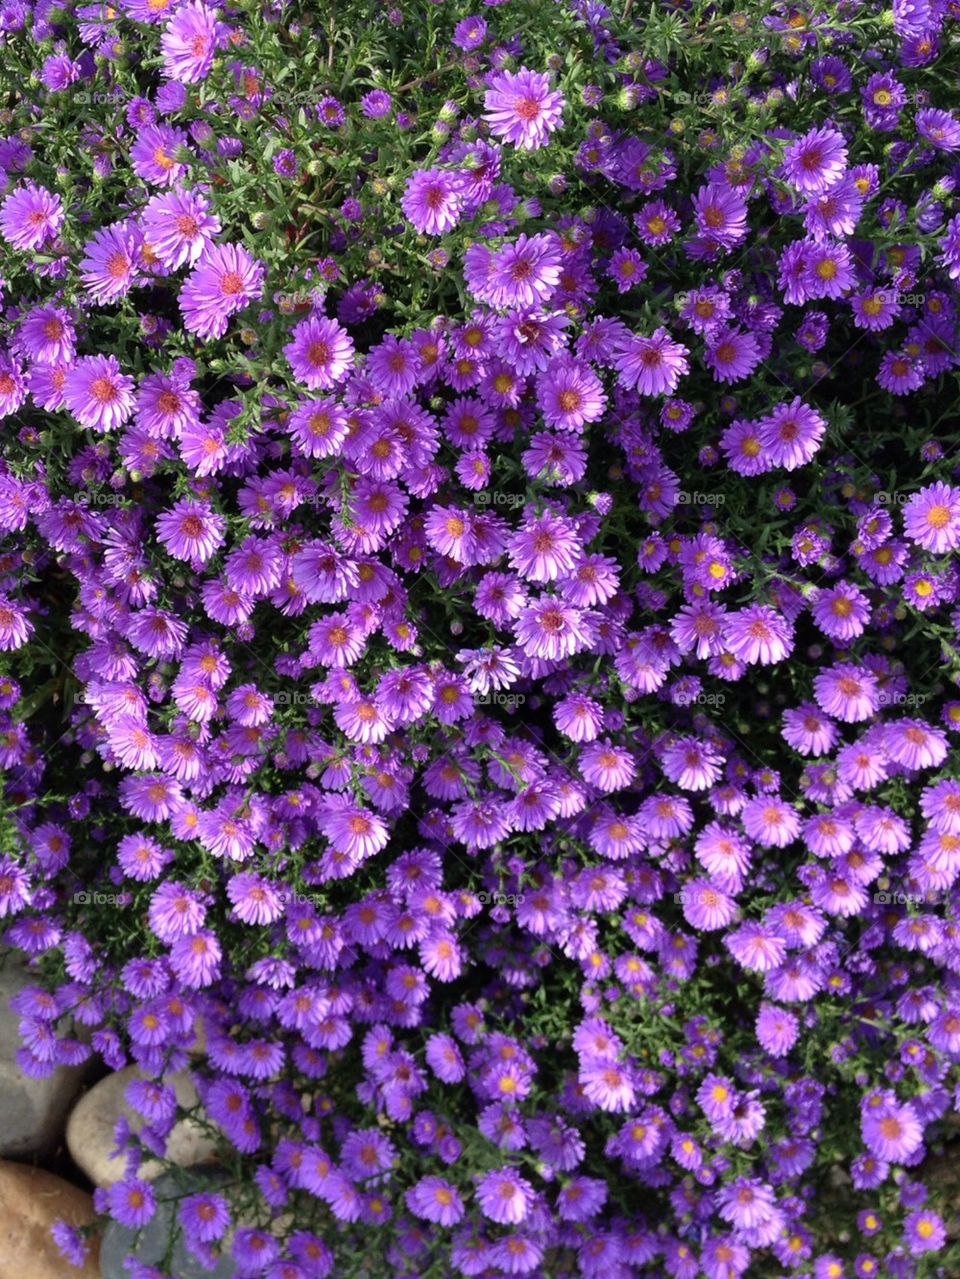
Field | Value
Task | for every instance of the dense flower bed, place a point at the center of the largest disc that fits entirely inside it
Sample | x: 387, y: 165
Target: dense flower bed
x: 478, y: 612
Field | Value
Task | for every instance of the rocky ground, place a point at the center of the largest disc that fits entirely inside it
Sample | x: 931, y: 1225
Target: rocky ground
x: 56, y: 1140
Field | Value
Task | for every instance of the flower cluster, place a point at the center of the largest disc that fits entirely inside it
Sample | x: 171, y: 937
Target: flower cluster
x: 478, y: 616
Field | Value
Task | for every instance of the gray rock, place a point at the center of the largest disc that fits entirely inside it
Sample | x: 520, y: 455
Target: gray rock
x: 153, y: 1246
x: 32, y: 1111
x: 91, y: 1126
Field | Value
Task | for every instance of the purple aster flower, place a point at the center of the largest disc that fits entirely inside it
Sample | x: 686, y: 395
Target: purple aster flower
x: 758, y: 635
x: 97, y: 394
x: 791, y: 434
x: 436, y: 1200
x: 900, y: 372
x: 652, y: 365
x: 15, y: 892
x: 191, y: 531
x: 30, y: 216
x: 521, y: 108
x: 255, y: 900
x: 179, y: 227
x: 320, y: 353
x: 939, y: 128
x: 891, y: 1131
x: 505, y: 1197
x: 706, y: 907
x: 876, y: 309
x: 721, y: 214
x: 393, y: 365
x: 570, y: 394
x: 195, y: 959
x: 70, y: 1243
x: 189, y: 42
x: 469, y: 34
x: 433, y: 201
x: 13, y: 387
x: 225, y: 279
x: 204, y: 1217
x: 131, y: 1202
x: 925, y: 1232
x: 524, y: 273
x: 627, y: 269
x: 377, y: 104
x: 828, y: 270
x: 48, y: 335
x: 656, y: 223
x: 152, y: 156
x: 330, y: 112
x: 931, y: 518
x: 109, y: 266
x: 544, y: 549
x: 756, y: 948
x: 777, y: 1029
x: 815, y: 161
x: 841, y: 611
x: 732, y: 354
x: 285, y: 163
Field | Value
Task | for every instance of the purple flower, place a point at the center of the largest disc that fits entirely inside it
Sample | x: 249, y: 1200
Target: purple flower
x: 225, y: 280
x: 469, y: 34
x: 110, y: 264
x: 377, y: 104
x: 504, y: 1197
x: 131, y: 1202
x: 204, y: 1217
x: 433, y: 201
x: 939, y: 128
x: 191, y: 531
x: 189, y: 42
x: 179, y: 226
x: 721, y: 214
x: 522, y: 108
x: 815, y: 161
x: 925, y: 1232
x: 653, y: 365
x: 98, y: 394
x: 890, y: 1130
x: 30, y: 216
x: 320, y: 353
x: 436, y: 1200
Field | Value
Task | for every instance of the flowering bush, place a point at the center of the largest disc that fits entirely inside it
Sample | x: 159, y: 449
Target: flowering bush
x: 479, y: 622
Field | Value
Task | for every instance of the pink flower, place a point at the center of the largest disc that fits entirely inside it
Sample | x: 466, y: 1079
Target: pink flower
x: 521, y: 108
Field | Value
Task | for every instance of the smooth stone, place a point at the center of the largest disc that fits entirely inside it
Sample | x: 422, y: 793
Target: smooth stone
x: 32, y: 1111
x: 90, y: 1129
x: 31, y: 1200
x: 151, y: 1248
